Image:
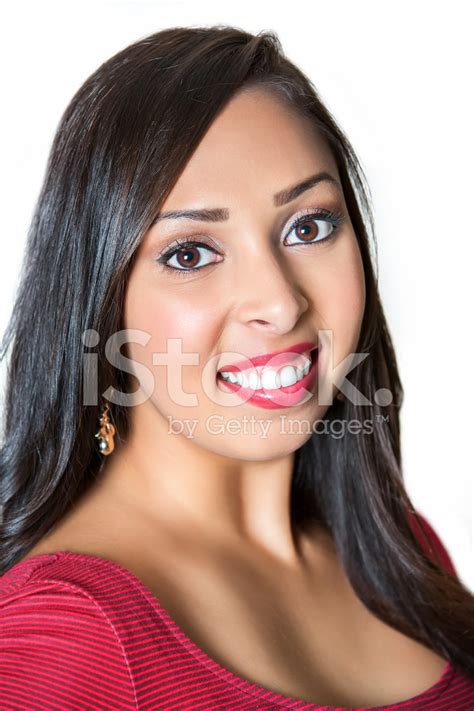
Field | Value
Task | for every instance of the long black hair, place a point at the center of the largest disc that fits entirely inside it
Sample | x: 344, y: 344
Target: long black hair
x: 119, y: 148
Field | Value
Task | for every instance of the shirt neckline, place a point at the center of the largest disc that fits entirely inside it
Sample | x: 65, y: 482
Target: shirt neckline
x: 433, y: 693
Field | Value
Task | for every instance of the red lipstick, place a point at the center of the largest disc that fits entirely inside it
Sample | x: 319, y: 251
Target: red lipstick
x: 282, y: 396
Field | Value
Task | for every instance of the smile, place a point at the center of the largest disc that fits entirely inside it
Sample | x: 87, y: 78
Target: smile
x: 257, y: 384
x: 269, y: 378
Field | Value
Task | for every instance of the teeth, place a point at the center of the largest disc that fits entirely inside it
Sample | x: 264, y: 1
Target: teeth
x: 288, y: 376
x: 254, y: 380
x: 268, y: 378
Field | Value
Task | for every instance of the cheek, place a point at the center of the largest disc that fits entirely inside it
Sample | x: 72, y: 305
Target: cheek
x: 340, y: 296
x: 169, y: 313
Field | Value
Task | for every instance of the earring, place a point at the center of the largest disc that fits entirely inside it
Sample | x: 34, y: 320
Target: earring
x: 340, y: 396
x: 105, y: 435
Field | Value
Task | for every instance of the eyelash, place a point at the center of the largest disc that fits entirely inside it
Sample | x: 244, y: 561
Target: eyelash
x: 335, y: 217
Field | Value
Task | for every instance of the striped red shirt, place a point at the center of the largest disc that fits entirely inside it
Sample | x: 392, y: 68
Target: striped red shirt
x: 82, y: 632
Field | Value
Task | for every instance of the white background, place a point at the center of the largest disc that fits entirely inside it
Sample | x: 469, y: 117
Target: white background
x: 398, y: 79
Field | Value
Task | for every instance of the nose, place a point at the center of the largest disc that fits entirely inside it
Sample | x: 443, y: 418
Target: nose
x: 268, y: 297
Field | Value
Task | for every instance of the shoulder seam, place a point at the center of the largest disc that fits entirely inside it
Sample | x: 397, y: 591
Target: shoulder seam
x: 34, y: 568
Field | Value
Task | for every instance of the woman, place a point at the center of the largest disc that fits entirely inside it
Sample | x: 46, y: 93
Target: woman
x: 201, y: 475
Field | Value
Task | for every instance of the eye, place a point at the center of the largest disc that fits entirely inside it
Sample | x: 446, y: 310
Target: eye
x: 187, y: 255
x: 315, y: 227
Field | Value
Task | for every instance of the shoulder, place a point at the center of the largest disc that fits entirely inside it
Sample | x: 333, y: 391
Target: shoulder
x: 431, y: 542
x: 57, y: 641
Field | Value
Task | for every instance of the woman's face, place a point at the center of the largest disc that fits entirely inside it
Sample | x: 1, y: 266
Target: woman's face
x: 254, y: 284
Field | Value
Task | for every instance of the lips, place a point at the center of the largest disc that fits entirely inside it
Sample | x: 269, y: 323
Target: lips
x: 278, y: 358
x: 275, y: 395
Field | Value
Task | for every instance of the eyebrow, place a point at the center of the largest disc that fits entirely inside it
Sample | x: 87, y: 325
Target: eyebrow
x: 220, y: 214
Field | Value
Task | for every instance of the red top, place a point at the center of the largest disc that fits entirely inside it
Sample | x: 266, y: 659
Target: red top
x: 78, y: 631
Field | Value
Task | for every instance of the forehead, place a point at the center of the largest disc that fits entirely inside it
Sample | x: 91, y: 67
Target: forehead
x: 256, y: 146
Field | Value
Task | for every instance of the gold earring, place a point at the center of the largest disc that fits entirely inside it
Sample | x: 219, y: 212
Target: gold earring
x: 105, y: 435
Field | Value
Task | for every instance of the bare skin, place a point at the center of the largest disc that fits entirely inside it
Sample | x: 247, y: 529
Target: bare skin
x: 295, y: 628
x: 204, y: 521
